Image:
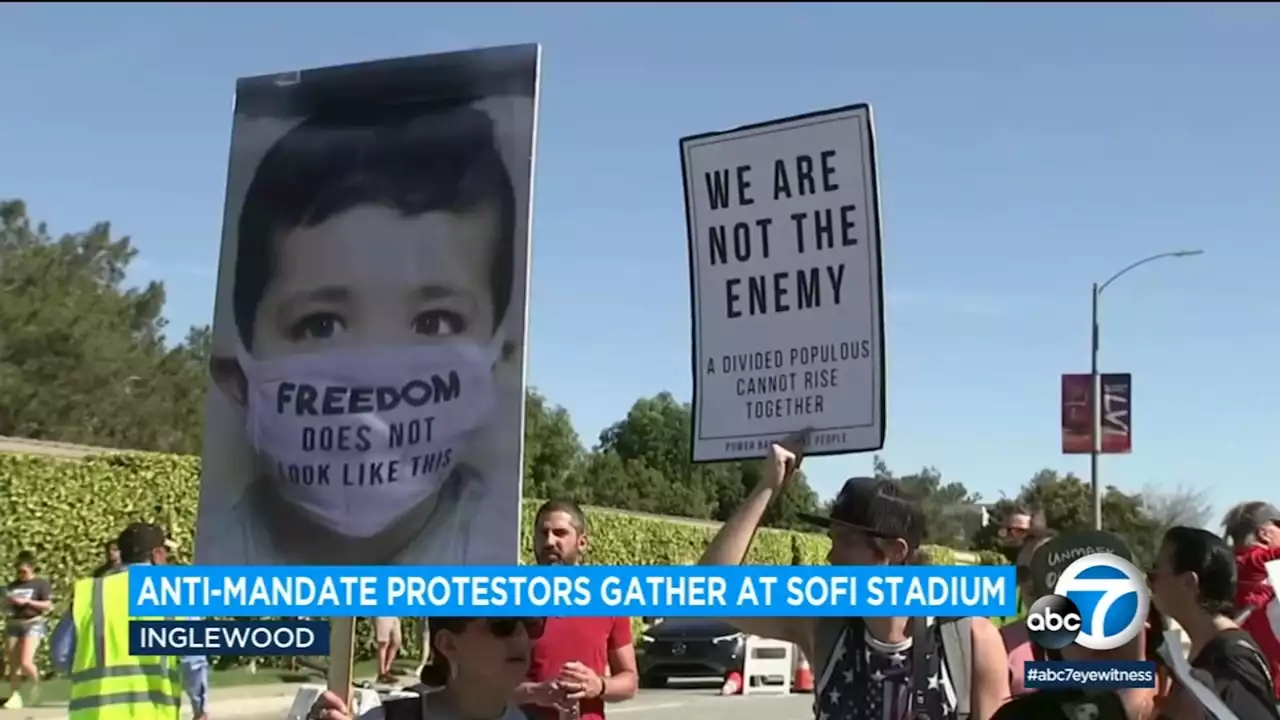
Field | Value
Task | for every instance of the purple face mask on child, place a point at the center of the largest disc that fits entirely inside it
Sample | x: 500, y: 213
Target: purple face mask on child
x: 358, y: 437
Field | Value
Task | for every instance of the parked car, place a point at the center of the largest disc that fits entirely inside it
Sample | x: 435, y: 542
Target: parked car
x: 689, y: 648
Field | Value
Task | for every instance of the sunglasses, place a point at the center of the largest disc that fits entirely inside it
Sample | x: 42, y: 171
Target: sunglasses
x: 503, y: 628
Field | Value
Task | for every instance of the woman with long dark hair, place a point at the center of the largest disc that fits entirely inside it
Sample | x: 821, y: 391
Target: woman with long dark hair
x: 29, y: 598
x: 473, y: 671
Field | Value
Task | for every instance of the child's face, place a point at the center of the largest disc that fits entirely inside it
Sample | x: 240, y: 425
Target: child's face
x: 372, y: 276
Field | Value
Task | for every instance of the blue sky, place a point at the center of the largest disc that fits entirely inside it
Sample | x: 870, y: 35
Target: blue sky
x: 1025, y: 150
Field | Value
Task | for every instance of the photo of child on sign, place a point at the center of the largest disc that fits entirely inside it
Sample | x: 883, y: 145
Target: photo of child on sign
x: 369, y: 330
x: 784, y: 253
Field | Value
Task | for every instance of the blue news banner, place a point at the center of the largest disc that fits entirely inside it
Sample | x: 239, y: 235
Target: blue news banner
x: 488, y: 591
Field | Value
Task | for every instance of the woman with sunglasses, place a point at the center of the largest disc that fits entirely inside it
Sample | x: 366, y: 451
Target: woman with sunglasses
x: 472, y: 674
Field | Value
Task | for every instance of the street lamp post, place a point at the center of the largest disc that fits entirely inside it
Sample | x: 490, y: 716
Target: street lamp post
x: 1095, y: 397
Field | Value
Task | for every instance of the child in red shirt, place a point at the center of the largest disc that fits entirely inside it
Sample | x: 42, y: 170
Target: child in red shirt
x: 1254, y: 529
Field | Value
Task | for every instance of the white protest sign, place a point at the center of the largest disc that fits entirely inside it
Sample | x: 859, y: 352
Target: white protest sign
x: 786, y: 279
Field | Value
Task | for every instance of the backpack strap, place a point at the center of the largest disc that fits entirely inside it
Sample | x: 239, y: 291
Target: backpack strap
x: 830, y: 634
x: 1264, y: 692
x: 834, y: 634
x: 957, y: 651
x: 924, y: 666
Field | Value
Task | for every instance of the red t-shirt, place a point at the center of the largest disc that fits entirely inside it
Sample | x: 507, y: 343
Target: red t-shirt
x: 577, y: 639
x: 1254, y: 591
x: 1252, y: 588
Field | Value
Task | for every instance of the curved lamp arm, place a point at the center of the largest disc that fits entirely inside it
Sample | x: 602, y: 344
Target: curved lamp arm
x: 1144, y: 261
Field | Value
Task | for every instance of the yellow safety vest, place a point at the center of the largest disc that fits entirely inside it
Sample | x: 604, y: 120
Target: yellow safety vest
x: 107, y: 683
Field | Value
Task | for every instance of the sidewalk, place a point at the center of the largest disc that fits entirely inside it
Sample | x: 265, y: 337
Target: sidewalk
x: 226, y: 702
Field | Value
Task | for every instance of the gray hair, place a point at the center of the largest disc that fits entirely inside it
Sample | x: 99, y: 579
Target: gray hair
x: 1242, y: 522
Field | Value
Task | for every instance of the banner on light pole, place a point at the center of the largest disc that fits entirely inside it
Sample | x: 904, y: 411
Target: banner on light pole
x: 1077, y: 413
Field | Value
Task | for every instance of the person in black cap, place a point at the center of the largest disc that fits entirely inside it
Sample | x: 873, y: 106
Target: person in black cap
x: 873, y: 667
x: 1044, y: 564
x: 116, y: 683
x: 143, y: 544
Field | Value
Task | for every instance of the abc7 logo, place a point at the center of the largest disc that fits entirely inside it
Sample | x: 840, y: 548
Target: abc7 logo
x: 1115, y: 599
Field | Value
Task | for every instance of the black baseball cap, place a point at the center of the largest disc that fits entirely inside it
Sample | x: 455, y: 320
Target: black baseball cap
x: 141, y: 538
x: 879, y: 507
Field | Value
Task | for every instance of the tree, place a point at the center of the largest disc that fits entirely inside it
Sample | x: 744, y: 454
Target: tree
x: 1177, y: 506
x: 83, y: 357
x: 988, y: 537
x: 1066, y: 503
x: 653, y: 440
x: 632, y: 484
x: 552, y: 451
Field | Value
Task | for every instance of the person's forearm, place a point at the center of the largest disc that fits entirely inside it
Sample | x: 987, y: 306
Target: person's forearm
x: 620, y: 687
x: 730, y: 545
x: 40, y: 605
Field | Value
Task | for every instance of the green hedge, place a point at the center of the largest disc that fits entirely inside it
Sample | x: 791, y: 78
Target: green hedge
x: 65, y: 510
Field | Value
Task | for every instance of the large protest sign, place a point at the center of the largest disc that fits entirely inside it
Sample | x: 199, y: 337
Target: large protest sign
x: 785, y: 274
x: 369, y: 329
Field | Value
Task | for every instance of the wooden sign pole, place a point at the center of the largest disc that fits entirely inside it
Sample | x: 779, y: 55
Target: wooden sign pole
x: 342, y: 646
